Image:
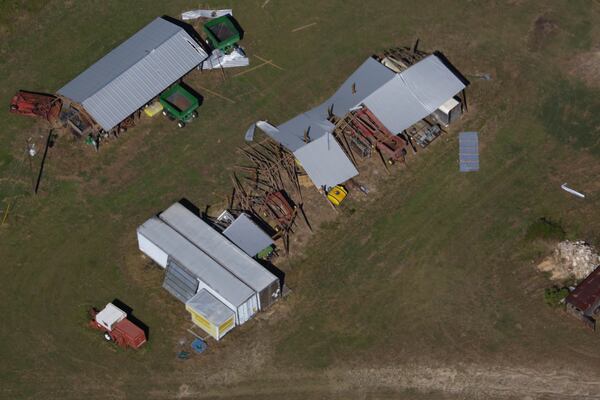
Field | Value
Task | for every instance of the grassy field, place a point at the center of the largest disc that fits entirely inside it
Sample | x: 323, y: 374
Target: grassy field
x: 427, y: 291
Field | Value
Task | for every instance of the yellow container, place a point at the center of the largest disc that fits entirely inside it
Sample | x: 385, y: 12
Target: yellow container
x: 337, y: 194
x: 153, y: 109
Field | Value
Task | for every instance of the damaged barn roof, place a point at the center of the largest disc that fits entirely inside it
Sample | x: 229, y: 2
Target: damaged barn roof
x: 413, y: 94
x: 135, y: 72
x: 398, y: 100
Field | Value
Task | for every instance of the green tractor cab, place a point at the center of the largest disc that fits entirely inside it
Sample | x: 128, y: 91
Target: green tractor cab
x: 222, y: 33
x: 179, y: 104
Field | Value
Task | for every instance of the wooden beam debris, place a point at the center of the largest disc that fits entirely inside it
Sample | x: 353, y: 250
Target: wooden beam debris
x: 216, y: 94
x: 303, y: 27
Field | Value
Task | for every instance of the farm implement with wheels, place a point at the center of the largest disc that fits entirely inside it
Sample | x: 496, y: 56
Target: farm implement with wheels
x: 39, y: 105
x: 363, y: 125
x: 179, y: 104
x: 113, y: 322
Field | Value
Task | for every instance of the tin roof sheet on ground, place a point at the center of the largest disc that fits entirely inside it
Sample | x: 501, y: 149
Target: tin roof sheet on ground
x: 247, y: 235
x: 468, y: 151
x: 587, y: 293
x: 196, y: 261
x: 210, y: 307
x: 413, y: 94
x: 135, y: 72
x: 216, y: 246
x: 325, y: 162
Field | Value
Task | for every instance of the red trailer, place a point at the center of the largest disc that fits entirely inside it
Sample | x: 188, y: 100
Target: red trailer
x: 367, y: 125
x: 116, y: 327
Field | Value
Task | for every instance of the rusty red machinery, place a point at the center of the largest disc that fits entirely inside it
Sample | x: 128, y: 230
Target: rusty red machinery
x: 280, y: 208
x: 363, y: 123
x: 40, y: 105
x: 113, y: 322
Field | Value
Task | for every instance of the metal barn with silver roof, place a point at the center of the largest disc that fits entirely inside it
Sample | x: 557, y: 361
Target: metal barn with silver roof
x: 135, y: 72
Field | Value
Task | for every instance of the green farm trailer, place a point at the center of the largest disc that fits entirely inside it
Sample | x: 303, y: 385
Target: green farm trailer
x: 179, y: 104
x: 222, y: 33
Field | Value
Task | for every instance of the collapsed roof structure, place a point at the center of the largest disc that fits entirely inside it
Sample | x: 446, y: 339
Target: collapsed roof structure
x: 397, y: 99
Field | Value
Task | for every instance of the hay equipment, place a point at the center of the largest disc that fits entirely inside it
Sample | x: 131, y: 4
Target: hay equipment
x: 40, y: 105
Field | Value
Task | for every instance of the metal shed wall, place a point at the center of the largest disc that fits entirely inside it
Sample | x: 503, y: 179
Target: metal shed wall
x: 211, y: 276
x: 221, y: 250
x: 136, y: 71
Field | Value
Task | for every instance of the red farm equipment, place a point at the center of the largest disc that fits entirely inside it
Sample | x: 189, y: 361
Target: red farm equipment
x: 364, y: 126
x: 113, y: 322
x: 32, y: 104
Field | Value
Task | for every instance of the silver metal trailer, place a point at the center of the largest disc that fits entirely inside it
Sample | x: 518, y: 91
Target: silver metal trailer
x: 224, y: 252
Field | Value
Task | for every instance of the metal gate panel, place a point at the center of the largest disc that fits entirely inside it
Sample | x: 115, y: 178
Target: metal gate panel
x: 179, y: 282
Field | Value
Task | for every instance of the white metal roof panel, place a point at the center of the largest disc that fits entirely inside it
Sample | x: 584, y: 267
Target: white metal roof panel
x: 196, y: 261
x: 217, y: 247
x: 325, y: 162
x: 247, y: 235
x: 210, y: 307
x: 135, y: 72
x: 413, y: 94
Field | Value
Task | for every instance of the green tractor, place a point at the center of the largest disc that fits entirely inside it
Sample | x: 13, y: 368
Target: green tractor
x: 179, y: 105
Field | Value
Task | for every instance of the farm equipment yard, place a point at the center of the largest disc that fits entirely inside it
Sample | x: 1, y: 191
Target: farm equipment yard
x: 344, y: 199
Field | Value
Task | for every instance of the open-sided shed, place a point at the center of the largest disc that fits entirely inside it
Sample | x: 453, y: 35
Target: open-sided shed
x: 135, y: 72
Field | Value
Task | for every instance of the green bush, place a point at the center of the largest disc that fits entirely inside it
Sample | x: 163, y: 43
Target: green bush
x: 554, y: 295
x: 546, y: 229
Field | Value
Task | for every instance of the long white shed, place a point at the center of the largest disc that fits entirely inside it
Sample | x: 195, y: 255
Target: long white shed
x: 216, y: 246
x: 177, y: 254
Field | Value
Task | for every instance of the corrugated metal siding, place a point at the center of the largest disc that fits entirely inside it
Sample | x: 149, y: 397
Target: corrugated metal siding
x: 135, y: 72
x: 468, y: 151
x: 179, y: 282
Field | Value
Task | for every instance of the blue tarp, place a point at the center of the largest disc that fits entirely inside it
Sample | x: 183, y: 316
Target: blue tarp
x: 468, y: 151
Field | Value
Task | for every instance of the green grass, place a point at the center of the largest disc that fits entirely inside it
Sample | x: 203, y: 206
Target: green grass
x: 546, y: 229
x: 434, y: 269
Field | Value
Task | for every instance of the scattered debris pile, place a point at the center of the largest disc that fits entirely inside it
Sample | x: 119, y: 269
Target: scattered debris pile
x: 571, y: 260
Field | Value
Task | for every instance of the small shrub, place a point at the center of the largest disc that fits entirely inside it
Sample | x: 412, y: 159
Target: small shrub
x: 545, y: 229
x: 554, y: 296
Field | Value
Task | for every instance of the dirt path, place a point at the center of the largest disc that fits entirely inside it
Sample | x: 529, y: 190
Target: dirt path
x: 468, y: 381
